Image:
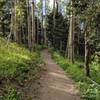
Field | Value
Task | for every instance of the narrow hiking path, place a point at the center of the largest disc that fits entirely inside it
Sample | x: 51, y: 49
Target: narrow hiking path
x: 55, y: 85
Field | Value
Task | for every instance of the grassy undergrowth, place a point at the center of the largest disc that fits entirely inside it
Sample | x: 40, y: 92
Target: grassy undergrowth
x: 88, y: 90
x: 17, y: 64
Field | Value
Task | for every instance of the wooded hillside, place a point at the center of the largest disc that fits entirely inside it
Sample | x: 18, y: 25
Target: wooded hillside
x: 69, y: 29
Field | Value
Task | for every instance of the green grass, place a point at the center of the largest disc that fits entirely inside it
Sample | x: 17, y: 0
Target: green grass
x: 18, y: 63
x: 12, y: 94
x: 14, y: 57
x: 88, y: 90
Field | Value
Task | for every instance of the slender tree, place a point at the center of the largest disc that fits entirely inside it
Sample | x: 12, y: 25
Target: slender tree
x: 33, y: 24
x: 12, y: 20
x: 37, y: 27
x: 87, y: 53
x: 15, y: 22
x: 45, y: 37
x: 54, y: 12
x: 28, y: 24
x: 42, y: 30
x: 70, y: 44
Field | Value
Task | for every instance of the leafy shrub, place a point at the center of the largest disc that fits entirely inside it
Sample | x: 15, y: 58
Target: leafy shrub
x: 95, y: 67
x: 96, y: 61
x: 12, y: 94
x: 89, y: 91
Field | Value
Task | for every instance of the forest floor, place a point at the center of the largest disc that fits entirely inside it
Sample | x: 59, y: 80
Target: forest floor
x: 55, y: 84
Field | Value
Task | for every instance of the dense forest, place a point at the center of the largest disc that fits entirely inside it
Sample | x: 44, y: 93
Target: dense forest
x: 68, y: 29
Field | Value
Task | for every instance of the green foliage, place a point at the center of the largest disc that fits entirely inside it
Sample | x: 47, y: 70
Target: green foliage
x: 14, y: 59
x: 96, y: 61
x: 60, y: 32
x: 4, y: 17
x: 89, y: 91
x: 95, y: 66
x: 17, y: 64
x: 11, y: 94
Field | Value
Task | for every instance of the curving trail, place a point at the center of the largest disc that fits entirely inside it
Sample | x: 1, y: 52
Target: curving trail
x: 55, y: 85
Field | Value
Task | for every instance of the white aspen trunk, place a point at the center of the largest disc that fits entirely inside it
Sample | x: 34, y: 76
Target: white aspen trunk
x: 87, y: 53
x: 71, y: 36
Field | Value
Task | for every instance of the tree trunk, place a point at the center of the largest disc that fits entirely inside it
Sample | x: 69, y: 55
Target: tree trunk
x: 54, y: 14
x: 28, y: 24
x: 45, y: 37
x: 42, y: 30
x: 33, y: 25
x: 20, y: 33
x: 37, y: 29
x: 70, y: 44
x: 15, y: 23
x: 87, y: 54
x: 54, y: 21
x: 12, y: 22
x: 61, y: 43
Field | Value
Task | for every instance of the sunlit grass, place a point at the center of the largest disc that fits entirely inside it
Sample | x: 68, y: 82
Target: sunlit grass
x: 13, y: 57
x: 17, y: 63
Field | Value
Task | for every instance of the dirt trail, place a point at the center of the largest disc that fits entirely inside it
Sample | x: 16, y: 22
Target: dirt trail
x: 55, y: 84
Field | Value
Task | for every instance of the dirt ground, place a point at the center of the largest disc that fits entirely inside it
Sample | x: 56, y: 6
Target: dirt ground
x: 55, y: 84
